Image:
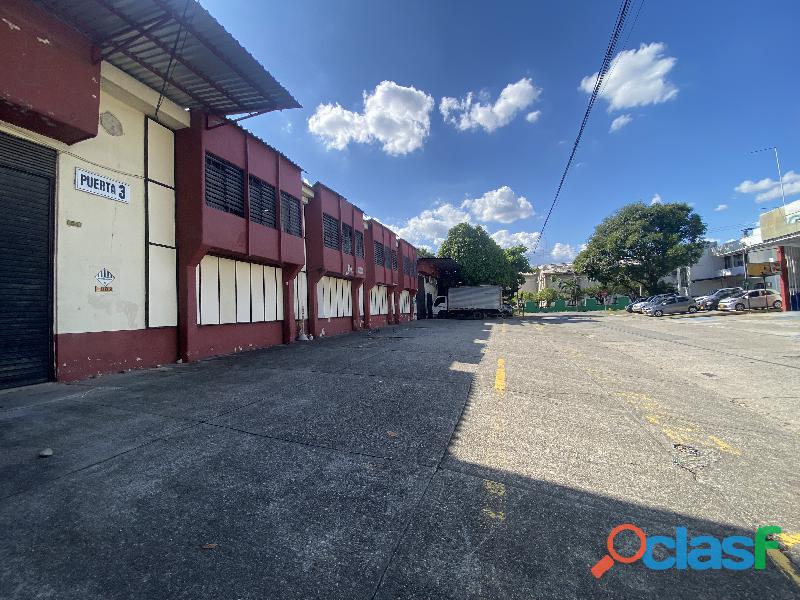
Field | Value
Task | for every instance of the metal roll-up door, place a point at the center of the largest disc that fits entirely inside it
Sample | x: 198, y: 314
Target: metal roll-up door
x: 27, y: 172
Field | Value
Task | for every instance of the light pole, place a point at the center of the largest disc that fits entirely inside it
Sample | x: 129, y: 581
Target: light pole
x: 780, y: 177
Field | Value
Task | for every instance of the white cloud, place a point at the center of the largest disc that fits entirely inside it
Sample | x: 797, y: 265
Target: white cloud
x: 656, y: 199
x: 396, y: 116
x: 501, y: 205
x: 768, y: 189
x: 721, y: 207
x: 469, y: 113
x: 431, y: 226
x: 506, y: 239
x: 532, y: 117
x: 636, y: 78
x: 563, y: 252
x: 619, y: 123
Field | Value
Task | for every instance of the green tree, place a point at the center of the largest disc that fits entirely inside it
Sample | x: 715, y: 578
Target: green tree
x: 482, y: 260
x: 641, y: 244
x: 547, y: 295
x: 516, y: 263
x: 424, y: 253
x: 571, y: 289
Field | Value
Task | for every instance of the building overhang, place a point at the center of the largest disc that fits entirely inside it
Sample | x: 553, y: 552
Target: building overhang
x: 178, y: 48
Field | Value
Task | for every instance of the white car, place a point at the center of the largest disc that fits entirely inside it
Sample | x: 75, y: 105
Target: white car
x: 752, y: 299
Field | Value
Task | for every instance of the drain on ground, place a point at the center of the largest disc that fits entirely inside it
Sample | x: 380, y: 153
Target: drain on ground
x: 690, y: 450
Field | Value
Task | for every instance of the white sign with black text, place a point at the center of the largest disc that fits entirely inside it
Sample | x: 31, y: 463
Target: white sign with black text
x: 102, y: 186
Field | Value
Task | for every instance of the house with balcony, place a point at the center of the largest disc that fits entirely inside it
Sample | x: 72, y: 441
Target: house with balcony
x: 336, y: 263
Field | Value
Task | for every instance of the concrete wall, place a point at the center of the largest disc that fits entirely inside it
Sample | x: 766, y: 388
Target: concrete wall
x: 95, y: 323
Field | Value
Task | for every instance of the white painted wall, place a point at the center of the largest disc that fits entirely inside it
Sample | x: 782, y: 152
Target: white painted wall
x: 405, y: 302
x: 333, y: 298
x: 379, y: 300
x: 233, y: 291
x: 106, y: 234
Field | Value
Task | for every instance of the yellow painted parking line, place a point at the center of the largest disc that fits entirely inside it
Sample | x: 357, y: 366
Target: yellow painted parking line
x: 495, y: 515
x: 500, y: 375
x: 494, y: 487
x: 784, y: 564
x: 788, y: 538
x: 724, y: 446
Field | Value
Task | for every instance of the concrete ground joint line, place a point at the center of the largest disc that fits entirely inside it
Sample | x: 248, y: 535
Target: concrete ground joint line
x: 100, y: 462
x: 417, y: 504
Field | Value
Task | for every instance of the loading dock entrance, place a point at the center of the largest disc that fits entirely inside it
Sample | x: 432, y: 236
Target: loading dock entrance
x: 27, y: 174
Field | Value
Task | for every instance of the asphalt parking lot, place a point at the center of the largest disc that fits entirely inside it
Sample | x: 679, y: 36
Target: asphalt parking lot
x: 439, y: 459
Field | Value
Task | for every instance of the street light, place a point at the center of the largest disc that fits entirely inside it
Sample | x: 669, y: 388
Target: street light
x: 780, y: 177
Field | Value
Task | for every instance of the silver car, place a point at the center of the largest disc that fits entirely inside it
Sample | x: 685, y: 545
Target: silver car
x: 752, y: 299
x: 642, y: 305
x: 671, y: 306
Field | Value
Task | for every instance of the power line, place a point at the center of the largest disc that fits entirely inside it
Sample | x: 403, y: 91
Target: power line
x: 601, y: 75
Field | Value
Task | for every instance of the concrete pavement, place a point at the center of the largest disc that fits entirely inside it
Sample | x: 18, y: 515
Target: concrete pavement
x: 436, y: 459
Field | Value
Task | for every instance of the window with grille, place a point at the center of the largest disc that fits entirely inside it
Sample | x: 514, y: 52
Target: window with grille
x: 224, y: 185
x: 394, y: 260
x: 291, y: 219
x: 330, y: 232
x: 262, y: 202
x: 379, y: 254
x: 387, y: 255
x: 347, y: 239
x: 406, y: 265
x: 359, y: 244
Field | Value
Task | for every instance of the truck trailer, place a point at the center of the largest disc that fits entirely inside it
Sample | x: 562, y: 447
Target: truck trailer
x: 470, y: 302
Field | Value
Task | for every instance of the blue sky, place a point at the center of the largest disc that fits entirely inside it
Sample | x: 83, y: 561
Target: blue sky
x: 701, y: 85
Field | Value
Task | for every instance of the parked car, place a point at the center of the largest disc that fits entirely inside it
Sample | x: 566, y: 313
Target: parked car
x: 752, y: 299
x: 640, y: 306
x: 711, y: 301
x: 629, y: 307
x: 671, y: 306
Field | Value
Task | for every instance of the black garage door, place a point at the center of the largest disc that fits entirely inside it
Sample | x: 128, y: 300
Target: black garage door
x: 27, y: 172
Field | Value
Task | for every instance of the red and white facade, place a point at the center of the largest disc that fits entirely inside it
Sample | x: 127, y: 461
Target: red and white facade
x: 143, y: 227
x: 336, y: 263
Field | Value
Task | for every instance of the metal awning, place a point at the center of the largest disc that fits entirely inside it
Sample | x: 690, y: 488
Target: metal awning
x: 179, y: 42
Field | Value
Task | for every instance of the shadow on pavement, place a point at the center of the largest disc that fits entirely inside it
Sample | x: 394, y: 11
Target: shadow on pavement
x: 310, y: 471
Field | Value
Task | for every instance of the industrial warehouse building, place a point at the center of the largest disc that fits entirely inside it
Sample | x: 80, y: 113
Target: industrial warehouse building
x: 143, y: 226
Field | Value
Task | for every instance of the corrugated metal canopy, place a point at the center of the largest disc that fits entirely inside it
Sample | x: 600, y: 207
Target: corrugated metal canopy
x: 210, y: 69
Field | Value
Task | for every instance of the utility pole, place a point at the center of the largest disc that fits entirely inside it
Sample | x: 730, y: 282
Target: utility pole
x: 780, y: 176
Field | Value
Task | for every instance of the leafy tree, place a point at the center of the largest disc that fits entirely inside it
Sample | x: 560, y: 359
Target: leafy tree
x: 424, y: 253
x: 547, y: 295
x: 571, y: 289
x: 482, y: 260
x: 516, y: 263
x: 641, y: 244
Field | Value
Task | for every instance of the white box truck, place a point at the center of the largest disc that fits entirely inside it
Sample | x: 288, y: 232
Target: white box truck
x: 471, y: 302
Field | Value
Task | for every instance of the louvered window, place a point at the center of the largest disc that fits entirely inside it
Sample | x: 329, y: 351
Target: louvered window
x: 360, y: 244
x: 379, y: 254
x: 330, y: 232
x: 291, y: 219
x: 394, y: 260
x: 224, y: 185
x: 347, y: 239
x: 406, y: 265
x: 262, y: 202
x: 387, y: 256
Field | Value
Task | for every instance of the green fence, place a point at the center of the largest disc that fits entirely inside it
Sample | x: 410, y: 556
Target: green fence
x: 587, y: 305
